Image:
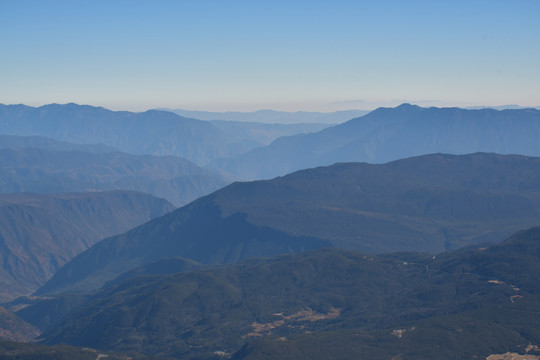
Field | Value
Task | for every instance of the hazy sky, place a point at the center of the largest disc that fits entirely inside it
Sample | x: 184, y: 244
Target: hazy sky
x: 286, y: 55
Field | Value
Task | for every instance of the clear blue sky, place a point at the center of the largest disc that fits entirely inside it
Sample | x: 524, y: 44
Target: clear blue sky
x: 289, y: 55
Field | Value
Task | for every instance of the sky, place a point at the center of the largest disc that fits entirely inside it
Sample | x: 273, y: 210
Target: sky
x: 231, y: 55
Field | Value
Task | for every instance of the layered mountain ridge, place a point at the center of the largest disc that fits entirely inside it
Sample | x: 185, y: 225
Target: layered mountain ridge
x: 151, y: 132
x: 388, y: 134
x: 384, y: 306
x: 398, y: 260
x: 32, y: 169
x: 430, y: 203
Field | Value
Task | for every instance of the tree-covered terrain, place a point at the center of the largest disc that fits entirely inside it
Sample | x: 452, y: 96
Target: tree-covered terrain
x: 326, y: 303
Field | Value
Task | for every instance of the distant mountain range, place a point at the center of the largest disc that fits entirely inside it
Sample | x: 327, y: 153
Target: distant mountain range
x: 502, y: 107
x: 430, y: 203
x: 388, y: 134
x: 239, y: 144
x: 259, y: 134
x: 40, y: 233
x: 274, y: 117
x: 247, y: 149
x: 152, y: 132
x: 15, y: 141
x: 33, y: 169
x: 323, y: 304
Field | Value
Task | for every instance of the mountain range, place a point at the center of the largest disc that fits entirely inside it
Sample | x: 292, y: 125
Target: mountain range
x: 15, y: 141
x: 387, y: 134
x: 401, y: 256
x: 32, y: 169
x: 153, y: 132
x: 257, y: 134
x: 327, y: 303
x: 503, y: 107
x: 474, y: 303
x: 430, y: 203
x: 274, y: 117
x: 252, y: 150
x: 41, y: 232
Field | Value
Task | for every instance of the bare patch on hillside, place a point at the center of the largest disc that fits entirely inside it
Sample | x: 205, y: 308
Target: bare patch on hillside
x: 516, y: 356
x: 306, y: 314
x: 399, y: 332
x: 513, y: 356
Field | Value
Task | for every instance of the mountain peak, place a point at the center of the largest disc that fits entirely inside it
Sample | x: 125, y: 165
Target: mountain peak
x: 407, y: 106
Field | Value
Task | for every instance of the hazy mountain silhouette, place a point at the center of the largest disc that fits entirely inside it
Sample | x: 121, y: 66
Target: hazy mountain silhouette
x: 502, y: 107
x: 274, y: 117
x: 151, y: 132
x: 48, y: 171
x: 14, y: 141
x: 388, y: 134
x: 256, y: 134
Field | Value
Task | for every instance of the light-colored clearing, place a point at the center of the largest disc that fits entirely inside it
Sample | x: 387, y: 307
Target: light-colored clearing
x: 512, y: 356
x: 399, y: 332
x: 306, y: 314
x: 222, y: 353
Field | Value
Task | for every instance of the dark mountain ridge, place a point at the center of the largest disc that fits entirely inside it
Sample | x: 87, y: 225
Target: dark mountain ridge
x: 430, y: 203
x: 463, y: 304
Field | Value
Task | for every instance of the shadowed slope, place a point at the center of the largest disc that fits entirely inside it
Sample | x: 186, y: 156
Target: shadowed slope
x: 430, y: 203
x: 40, y: 233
